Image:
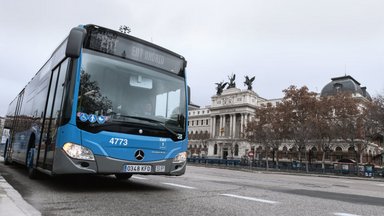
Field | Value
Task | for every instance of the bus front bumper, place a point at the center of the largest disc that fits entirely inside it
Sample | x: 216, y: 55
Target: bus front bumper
x: 63, y: 164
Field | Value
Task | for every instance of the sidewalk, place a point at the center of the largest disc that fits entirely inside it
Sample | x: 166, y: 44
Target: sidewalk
x: 12, y: 203
x: 274, y: 171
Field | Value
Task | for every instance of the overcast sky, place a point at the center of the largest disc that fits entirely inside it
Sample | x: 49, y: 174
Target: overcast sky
x: 280, y: 42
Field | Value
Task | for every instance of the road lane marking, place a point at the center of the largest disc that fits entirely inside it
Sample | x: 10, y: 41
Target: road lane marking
x: 250, y: 198
x: 140, y: 178
x: 344, y: 214
x: 382, y: 185
x: 178, y: 185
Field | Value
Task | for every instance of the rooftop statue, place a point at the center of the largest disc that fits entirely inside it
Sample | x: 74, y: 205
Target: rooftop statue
x: 232, y: 83
x: 248, y: 82
x: 220, y: 86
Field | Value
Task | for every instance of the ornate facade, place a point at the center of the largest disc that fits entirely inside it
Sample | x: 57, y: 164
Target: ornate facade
x: 217, y: 131
x: 223, y: 123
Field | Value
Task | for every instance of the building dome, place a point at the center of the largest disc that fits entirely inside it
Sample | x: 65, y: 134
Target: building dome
x: 344, y: 84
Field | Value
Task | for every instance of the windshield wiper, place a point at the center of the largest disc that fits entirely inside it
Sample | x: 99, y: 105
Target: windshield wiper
x: 153, y: 121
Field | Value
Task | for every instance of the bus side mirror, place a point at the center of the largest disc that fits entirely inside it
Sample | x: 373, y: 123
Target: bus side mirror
x: 75, y: 42
x: 189, y: 95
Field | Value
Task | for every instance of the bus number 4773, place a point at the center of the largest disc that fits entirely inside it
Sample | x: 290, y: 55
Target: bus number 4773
x: 118, y: 141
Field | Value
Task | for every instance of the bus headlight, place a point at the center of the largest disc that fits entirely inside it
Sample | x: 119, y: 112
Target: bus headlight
x: 78, y: 151
x: 181, y: 157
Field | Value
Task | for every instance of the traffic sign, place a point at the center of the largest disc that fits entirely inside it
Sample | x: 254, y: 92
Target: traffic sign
x: 250, y: 154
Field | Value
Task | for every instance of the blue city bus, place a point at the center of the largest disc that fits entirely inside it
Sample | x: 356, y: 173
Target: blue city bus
x: 104, y: 103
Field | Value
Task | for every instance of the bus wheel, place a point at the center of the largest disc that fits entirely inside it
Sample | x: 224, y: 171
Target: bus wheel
x: 32, y: 172
x: 123, y: 176
x: 7, y: 159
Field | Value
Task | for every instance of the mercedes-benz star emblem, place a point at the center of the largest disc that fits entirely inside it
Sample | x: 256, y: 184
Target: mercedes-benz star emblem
x: 139, y: 155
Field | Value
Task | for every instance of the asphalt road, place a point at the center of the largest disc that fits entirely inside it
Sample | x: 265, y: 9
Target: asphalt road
x: 201, y: 191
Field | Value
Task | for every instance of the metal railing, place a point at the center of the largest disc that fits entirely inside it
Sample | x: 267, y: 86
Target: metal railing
x: 295, y: 166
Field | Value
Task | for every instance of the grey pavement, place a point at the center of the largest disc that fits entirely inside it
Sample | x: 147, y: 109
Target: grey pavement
x: 12, y: 203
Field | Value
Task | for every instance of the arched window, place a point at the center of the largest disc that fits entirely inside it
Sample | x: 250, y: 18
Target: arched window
x: 285, y: 152
x: 351, y: 153
x: 215, y: 149
x: 339, y: 152
x: 236, y: 150
x: 313, y: 154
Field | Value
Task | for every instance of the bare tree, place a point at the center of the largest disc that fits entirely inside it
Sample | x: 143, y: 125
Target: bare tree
x: 375, y: 112
x: 370, y: 123
x: 279, y: 131
x: 325, y: 126
x: 261, y: 129
x: 300, y: 105
x: 347, y: 112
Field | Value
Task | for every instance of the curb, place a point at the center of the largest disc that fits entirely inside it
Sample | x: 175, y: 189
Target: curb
x: 12, y: 203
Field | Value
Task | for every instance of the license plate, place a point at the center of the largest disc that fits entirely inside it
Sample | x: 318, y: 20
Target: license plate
x: 160, y: 168
x: 137, y: 168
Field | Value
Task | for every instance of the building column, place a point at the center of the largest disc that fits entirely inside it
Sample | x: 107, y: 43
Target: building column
x: 224, y: 124
x: 230, y: 125
x: 213, y: 126
x: 242, y: 125
x: 246, y: 120
x: 234, y: 126
x: 220, y: 124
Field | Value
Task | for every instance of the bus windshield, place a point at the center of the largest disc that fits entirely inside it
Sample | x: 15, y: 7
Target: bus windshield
x: 116, y: 93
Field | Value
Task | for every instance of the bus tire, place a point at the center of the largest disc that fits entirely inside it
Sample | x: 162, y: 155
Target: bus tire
x: 32, y: 172
x: 123, y: 176
x: 7, y: 159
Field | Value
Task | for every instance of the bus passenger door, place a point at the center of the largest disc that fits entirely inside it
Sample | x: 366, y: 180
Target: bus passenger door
x: 52, y: 116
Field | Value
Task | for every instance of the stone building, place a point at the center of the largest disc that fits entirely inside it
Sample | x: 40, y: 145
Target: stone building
x: 223, y: 123
x: 217, y: 131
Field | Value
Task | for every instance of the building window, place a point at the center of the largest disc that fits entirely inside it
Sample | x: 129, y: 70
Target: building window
x: 197, y: 122
x: 339, y: 153
x: 285, y: 152
x: 206, y: 122
x: 192, y: 123
x: 351, y: 153
x: 338, y: 86
x: 236, y: 150
x: 202, y: 122
x: 215, y: 149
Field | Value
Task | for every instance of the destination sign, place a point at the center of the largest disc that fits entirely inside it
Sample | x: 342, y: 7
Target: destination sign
x: 127, y: 47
